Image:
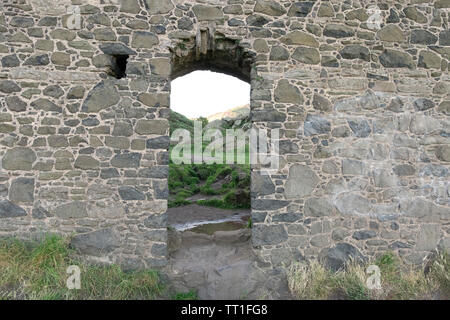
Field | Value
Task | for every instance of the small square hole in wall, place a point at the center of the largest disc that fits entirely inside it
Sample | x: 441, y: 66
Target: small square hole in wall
x: 119, y: 66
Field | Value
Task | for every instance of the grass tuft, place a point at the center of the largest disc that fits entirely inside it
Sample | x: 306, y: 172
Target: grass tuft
x: 37, y: 270
x: 191, y: 295
x: 311, y: 281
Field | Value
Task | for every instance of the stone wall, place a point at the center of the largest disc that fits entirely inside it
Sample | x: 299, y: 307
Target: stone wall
x: 360, y: 95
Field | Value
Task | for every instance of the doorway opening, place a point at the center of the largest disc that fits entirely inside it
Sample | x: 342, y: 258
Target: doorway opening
x: 209, y: 174
x: 209, y: 214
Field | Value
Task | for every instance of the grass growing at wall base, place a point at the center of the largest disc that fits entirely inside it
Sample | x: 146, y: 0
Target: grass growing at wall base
x: 38, y: 271
x: 398, y: 282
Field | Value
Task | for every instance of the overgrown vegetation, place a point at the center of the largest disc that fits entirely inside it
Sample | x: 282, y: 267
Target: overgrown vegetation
x: 398, y: 281
x: 37, y: 270
x: 225, y: 186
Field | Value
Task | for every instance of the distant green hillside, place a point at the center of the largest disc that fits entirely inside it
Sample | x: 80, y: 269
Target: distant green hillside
x: 216, y: 185
x: 178, y: 121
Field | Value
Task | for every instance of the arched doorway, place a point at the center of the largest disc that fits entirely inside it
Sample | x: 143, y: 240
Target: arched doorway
x: 209, y: 223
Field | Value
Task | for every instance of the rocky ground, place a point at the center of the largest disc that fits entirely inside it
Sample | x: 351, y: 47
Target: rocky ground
x: 210, y: 248
x: 215, y: 256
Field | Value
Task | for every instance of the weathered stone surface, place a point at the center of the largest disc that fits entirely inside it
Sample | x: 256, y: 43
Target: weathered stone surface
x: 262, y: 184
x: 300, y: 9
x: 159, y: 6
x: 338, y: 31
x: 355, y: 51
x: 158, y: 143
x: 96, y: 243
x: 53, y: 91
x: 404, y: 170
x: 268, y: 234
x: 86, y: 162
x: 278, y: 53
x: 22, y: 22
x: 300, y: 38
x: 428, y: 237
x: 306, y: 55
x: 145, y: 127
x: 268, y: 115
x: 288, y: 147
x: 429, y: 60
x: 46, y: 105
x: 102, y: 96
x: 444, y: 107
x: 156, y: 221
x: 76, y: 93
x: 19, y: 158
x: 130, y: 193
x: 122, y: 129
x: 37, y: 60
x: 268, y: 204
x: 315, y: 125
x: 207, y: 13
x: 16, y: 104
x: 7, y: 86
x: 154, y: 100
x: 257, y: 20
x: 321, y: 103
x: 73, y: 210
x: 10, y: 61
x: 443, y: 153
x: 352, y: 167
x: 22, y: 190
x: 39, y: 212
x: 61, y: 58
x: 364, y: 234
x: 116, y: 48
x: 126, y: 160
x: 287, y: 93
x: 144, y: 39
x: 396, y: 59
x: 336, y: 258
x: 391, y: 33
x: 353, y: 204
x: 130, y: 6
x: 444, y: 38
x: 360, y: 127
x: 271, y: 8
x: 442, y: 4
x: 423, y: 104
x: 421, y: 36
x: 10, y: 210
x: 157, y: 172
x: 301, y: 182
x: 326, y: 10
x: 318, y: 207
x: 413, y: 13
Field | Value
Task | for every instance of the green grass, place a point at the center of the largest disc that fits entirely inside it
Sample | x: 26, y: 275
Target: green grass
x: 398, y: 281
x: 191, y: 295
x: 186, y: 180
x: 37, y: 270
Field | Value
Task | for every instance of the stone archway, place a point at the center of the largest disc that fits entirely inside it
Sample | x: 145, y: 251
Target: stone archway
x: 222, y: 265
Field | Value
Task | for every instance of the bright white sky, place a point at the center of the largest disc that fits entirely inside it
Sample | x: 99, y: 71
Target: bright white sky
x: 204, y: 93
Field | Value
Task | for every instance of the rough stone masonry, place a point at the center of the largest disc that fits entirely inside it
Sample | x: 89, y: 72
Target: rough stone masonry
x: 358, y: 88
